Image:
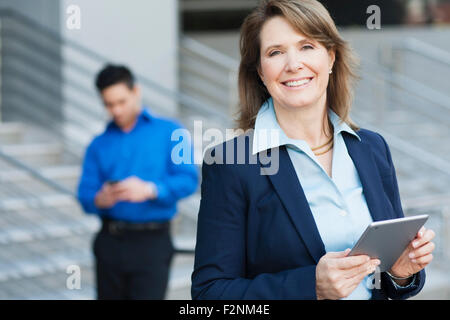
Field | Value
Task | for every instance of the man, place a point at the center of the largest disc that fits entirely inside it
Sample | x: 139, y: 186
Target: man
x: 130, y: 181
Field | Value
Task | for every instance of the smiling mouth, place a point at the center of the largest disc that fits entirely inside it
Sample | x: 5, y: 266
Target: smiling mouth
x: 297, y: 83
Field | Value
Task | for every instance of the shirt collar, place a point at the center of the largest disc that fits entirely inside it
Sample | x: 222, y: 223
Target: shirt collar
x: 268, y: 133
x: 144, y: 114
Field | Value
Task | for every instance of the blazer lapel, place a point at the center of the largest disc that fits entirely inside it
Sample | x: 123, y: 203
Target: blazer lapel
x: 364, y: 161
x: 291, y: 194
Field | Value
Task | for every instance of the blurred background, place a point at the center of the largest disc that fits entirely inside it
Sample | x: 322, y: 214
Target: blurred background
x: 186, y: 54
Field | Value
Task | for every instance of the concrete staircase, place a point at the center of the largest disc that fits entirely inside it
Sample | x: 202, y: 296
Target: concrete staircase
x: 43, y: 231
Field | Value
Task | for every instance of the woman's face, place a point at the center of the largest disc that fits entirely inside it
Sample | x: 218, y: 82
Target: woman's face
x: 294, y: 69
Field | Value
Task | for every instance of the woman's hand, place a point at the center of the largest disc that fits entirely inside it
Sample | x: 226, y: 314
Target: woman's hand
x: 416, y: 256
x: 337, y: 275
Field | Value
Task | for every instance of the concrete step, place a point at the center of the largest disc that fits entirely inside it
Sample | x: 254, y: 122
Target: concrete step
x: 11, y: 132
x: 61, y: 172
x: 65, y: 175
x: 44, y: 277
x: 411, y: 125
x: 437, y: 284
x: 33, y: 202
x: 31, y: 225
x: 24, y: 231
x: 35, y: 154
x: 51, y: 215
x: 32, y: 188
x: 205, y: 92
x: 206, y: 70
x: 43, y: 257
x: 49, y: 287
x: 180, y: 277
x: 190, y: 205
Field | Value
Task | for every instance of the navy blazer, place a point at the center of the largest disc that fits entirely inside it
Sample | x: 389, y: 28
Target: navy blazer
x: 256, y: 236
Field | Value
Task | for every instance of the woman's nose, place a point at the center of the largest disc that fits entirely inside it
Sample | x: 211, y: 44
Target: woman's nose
x: 294, y: 62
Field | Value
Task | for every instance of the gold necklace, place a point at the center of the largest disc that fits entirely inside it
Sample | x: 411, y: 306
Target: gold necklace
x: 323, y: 152
x: 313, y: 149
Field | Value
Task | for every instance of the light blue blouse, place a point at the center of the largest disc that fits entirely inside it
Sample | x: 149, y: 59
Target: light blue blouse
x: 337, y: 203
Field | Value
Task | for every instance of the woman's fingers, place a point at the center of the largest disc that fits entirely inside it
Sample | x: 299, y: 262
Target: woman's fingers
x: 338, y: 254
x: 421, y: 232
x: 428, y: 235
x: 341, y: 273
x: 423, y: 260
x: 351, y: 262
x: 362, y: 270
x: 422, y: 251
x: 351, y: 283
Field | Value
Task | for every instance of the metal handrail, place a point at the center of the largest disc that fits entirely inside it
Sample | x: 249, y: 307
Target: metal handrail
x: 417, y: 89
x: 179, y: 97
x: 398, y: 80
x: 210, y: 54
x: 408, y: 85
x: 439, y: 200
x: 58, y: 187
x: 417, y: 153
x: 36, y: 174
x: 424, y: 49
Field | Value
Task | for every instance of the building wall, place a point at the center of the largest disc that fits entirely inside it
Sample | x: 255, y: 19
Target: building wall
x: 141, y: 34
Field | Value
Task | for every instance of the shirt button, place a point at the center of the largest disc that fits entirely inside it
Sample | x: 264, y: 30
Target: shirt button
x: 343, y: 213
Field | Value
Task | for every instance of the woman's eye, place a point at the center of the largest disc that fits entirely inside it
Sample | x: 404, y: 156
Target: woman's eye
x: 273, y: 53
x: 307, y: 47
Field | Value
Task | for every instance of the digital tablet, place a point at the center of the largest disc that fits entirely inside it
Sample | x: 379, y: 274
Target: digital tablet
x: 387, y: 239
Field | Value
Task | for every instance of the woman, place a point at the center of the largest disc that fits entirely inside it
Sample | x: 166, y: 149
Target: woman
x: 286, y: 235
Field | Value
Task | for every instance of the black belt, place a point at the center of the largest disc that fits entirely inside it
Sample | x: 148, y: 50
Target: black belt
x: 117, y: 226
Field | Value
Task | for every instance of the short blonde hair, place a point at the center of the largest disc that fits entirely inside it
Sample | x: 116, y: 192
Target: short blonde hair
x: 310, y: 18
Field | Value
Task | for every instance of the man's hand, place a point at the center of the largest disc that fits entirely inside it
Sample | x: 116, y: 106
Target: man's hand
x: 105, y: 198
x: 134, y: 189
x: 337, y: 275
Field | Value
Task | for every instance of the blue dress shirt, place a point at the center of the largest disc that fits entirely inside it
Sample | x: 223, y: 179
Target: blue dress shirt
x: 338, y: 204
x: 144, y: 152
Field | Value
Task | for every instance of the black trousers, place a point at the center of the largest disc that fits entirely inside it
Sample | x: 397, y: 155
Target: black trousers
x: 132, y: 265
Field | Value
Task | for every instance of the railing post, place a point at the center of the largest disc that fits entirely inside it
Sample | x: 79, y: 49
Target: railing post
x: 385, y: 59
x: 445, y: 233
x: 393, y: 69
x: 232, y: 89
x: 1, y: 68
